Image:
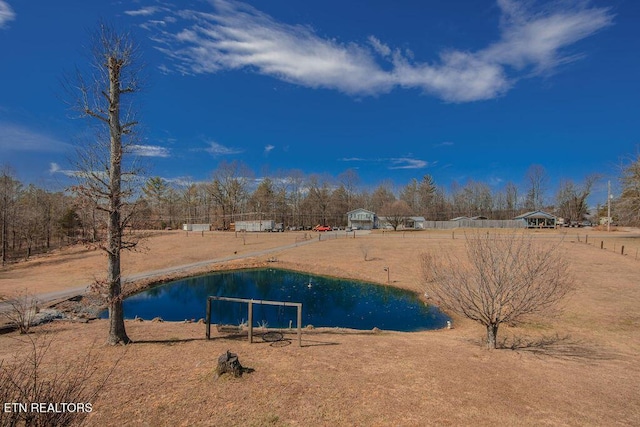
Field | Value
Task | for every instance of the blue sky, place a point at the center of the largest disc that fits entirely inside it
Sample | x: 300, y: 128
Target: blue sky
x: 461, y: 90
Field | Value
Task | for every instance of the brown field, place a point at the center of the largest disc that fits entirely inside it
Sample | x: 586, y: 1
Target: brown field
x: 582, y: 368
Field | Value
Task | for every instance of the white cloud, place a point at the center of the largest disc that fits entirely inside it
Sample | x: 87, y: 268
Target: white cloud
x: 55, y: 168
x: 379, y: 47
x: 407, y: 163
x: 149, y: 151
x: 220, y: 150
x: 6, y: 13
x: 537, y: 39
x: 443, y: 144
x: 236, y: 35
x: 20, y: 138
x: 144, y: 11
x: 182, y: 181
x: 268, y: 148
x: 495, y: 181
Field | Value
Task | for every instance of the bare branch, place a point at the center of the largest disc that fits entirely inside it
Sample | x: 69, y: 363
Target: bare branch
x: 503, y: 279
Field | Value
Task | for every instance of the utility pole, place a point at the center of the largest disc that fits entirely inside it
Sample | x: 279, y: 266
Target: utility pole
x: 608, y: 206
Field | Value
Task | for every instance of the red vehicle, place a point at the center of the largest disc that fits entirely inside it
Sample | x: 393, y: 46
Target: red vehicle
x: 321, y: 228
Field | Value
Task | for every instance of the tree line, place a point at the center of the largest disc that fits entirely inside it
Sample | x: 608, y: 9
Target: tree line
x: 34, y: 219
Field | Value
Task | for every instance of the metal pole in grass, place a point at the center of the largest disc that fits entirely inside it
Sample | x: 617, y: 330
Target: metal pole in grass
x: 299, y: 321
x: 208, y: 316
x: 250, y: 321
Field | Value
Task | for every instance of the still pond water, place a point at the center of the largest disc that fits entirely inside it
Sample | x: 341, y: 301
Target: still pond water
x: 326, y: 302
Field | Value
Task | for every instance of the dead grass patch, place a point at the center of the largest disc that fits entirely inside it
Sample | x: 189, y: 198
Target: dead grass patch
x: 580, y: 369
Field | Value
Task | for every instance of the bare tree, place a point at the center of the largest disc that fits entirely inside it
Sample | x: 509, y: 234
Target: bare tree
x: 21, y: 310
x: 34, y: 376
x: 229, y: 189
x: 396, y: 213
x: 10, y: 189
x: 628, y: 205
x: 382, y: 195
x: 103, y: 96
x: 318, y: 198
x: 502, y: 279
x: 537, y: 182
x: 571, y: 199
x: 349, y: 179
x: 155, y: 192
x: 410, y: 194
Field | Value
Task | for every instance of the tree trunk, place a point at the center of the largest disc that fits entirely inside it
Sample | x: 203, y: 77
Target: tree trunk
x: 492, y: 334
x: 229, y: 363
x: 117, y: 333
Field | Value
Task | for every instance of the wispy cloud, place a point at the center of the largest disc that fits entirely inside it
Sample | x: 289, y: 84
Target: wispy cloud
x: 145, y: 11
x: 495, y: 181
x: 443, y: 144
x: 236, y: 35
x: 182, y: 181
x: 268, y: 148
x: 55, y: 168
x: 6, y: 13
x: 352, y: 159
x: 216, y: 149
x: 20, y: 138
x: 405, y: 162
x: 149, y: 151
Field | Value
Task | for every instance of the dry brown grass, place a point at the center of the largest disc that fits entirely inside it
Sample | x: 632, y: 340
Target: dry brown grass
x: 580, y: 369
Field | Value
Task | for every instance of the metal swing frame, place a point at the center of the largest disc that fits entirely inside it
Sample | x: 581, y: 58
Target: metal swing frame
x: 250, y: 303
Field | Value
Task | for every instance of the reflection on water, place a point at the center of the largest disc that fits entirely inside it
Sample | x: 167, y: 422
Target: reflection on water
x: 325, y: 302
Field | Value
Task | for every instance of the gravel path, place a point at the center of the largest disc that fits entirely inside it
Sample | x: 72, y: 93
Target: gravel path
x: 69, y: 293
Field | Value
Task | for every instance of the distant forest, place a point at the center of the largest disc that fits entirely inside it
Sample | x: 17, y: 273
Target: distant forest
x: 35, y: 220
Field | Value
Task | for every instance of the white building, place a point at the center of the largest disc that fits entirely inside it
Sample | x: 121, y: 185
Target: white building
x: 362, y: 219
x: 196, y: 227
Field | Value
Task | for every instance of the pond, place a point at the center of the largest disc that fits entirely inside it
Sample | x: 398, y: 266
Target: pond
x: 326, y: 302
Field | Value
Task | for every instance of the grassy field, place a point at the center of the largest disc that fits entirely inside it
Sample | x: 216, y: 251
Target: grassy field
x: 581, y: 368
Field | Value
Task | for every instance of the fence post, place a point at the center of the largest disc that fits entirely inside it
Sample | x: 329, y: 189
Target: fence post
x: 250, y: 321
x: 299, y: 325
x: 622, y: 250
x: 208, y: 316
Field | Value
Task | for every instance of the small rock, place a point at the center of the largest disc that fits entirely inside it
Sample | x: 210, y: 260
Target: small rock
x: 376, y: 330
x: 157, y: 319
